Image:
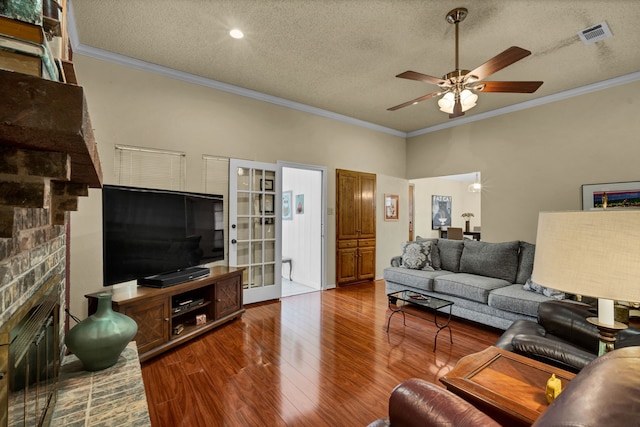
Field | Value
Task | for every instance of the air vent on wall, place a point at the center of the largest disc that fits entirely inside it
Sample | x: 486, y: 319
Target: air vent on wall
x: 595, y: 33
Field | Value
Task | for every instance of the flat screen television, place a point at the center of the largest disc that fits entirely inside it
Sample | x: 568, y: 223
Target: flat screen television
x: 147, y: 232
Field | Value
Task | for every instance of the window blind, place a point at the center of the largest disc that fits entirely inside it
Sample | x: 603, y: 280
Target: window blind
x: 151, y: 168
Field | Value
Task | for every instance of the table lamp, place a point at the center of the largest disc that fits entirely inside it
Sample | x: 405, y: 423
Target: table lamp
x: 592, y: 253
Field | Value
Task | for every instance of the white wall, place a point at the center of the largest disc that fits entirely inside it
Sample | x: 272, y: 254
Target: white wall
x: 301, y: 236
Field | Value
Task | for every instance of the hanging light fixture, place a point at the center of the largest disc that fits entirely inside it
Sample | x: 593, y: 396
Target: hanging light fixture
x: 467, y: 99
x: 476, y: 187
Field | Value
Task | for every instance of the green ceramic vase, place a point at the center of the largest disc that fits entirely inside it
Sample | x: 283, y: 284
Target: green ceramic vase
x: 99, y: 339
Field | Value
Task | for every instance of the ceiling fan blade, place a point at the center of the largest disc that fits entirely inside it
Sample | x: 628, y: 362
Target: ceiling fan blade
x: 515, y: 87
x: 498, y: 62
x: 457, y: 109
x: 413, y: 75
x: 414, y: 101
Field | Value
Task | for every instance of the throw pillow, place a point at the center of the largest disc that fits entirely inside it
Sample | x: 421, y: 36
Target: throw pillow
x: 435, y: 253
x: 417, y: 255
x: 525, y: 261
x: 497, y: 260
x: 532, y: 286
x: 450, y: 251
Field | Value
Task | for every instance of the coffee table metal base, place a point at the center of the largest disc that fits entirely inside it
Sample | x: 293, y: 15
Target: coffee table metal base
x: 421, y: 300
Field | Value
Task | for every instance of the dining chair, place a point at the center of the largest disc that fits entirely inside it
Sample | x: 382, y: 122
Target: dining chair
x: 454, y: 233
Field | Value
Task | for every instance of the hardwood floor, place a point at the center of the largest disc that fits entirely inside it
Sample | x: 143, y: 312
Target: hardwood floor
x: 318, y: 359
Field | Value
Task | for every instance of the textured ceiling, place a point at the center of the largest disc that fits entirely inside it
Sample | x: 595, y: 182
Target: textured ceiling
x: 342, y: 55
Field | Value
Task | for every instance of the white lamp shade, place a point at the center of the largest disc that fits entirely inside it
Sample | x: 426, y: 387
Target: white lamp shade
x: 592, y: 253
x: 467, y: 100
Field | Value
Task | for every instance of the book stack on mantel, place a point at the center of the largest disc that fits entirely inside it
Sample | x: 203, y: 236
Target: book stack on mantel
x: 24, y: 49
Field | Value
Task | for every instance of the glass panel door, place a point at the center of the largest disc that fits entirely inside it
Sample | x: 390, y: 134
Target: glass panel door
x: 254, y: 232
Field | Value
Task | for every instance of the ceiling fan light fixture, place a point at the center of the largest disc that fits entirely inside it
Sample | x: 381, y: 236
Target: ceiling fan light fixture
x: 467, y: 99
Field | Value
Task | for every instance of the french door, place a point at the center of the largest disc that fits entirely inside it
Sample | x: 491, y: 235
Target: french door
x: 254, y: 228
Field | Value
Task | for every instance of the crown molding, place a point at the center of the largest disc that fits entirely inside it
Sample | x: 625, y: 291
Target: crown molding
x: 126, y: 61
x: 594, y: 87
x: 104, y: 55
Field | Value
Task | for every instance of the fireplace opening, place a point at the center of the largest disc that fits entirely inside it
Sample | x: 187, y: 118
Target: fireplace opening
x: 33, y: 363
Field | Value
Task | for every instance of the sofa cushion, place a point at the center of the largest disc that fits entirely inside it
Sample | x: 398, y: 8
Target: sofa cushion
x: 435, y: 253
x: 468, y: 286
x: 497, y: 260
x: 525, y: 262
x: 450, y: 251
x: 516, y: 300
x: 416, y: 255
x: 419, y: 279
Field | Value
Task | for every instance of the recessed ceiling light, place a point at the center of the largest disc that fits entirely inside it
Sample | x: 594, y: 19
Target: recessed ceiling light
x: 236, y: 33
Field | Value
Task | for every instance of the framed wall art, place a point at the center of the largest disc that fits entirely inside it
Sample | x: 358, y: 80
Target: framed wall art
x: 299, y: 204
x: 266, y: 185
x: 267, y: 208
x: 287, y: 206
x: 615, y: 194
x: 391, y: 207
x: 440, y: 211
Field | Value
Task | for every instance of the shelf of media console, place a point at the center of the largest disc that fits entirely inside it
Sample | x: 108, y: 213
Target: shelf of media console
x: 190, y: 309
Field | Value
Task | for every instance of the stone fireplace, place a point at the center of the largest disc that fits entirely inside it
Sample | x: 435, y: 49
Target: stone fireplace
x: 48, y: 158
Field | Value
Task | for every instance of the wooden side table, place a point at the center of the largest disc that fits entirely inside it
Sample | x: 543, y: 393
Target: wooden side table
x: 506, y: 386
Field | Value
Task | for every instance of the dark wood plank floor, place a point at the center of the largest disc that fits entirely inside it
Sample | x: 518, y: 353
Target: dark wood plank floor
x: 319, y: 359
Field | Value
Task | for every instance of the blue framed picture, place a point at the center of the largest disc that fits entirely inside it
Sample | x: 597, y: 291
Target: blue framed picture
x: 287, y: 205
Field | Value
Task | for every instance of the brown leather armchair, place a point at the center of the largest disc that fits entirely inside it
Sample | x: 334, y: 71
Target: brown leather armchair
x: 605, y: 392
x: 418, y: 403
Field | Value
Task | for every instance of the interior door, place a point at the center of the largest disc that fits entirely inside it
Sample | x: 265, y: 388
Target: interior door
x: 254, y: 230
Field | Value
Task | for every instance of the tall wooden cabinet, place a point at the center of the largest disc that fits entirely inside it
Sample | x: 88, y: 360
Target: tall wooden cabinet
x: 355, y: 227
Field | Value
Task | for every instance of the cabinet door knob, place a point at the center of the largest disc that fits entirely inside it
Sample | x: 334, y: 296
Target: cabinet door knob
x: 219, y: 300
x: 234, y: 241
x: 166, y: 319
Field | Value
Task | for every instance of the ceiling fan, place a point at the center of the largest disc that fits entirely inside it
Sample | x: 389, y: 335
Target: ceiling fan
x: 458, y: 86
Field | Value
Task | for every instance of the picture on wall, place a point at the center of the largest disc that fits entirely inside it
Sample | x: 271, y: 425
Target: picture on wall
x: 440, y: 211
x: 266, y: 184
x: 391, y: 207
x: 616, y: 195
x: 267, y: 207
x: 299, y: 203
x: 287, y: 208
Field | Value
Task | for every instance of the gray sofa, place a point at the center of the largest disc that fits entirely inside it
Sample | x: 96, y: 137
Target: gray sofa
x: 485, y: 281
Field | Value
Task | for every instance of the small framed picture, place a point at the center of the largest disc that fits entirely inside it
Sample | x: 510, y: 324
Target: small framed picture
x: 267, y: 208
x: 266, y: 184
x: 299, y: 203
x: 287, y: 206
x: 391, y: 207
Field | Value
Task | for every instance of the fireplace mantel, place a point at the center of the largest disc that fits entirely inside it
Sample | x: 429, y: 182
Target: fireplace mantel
x: 49, y: 152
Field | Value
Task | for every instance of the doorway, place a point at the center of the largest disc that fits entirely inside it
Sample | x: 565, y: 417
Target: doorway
x: 253, y: 230
x: 303, y: 228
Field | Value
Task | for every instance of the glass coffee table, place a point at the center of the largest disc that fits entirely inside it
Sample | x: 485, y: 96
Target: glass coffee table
x: 398, y: 301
